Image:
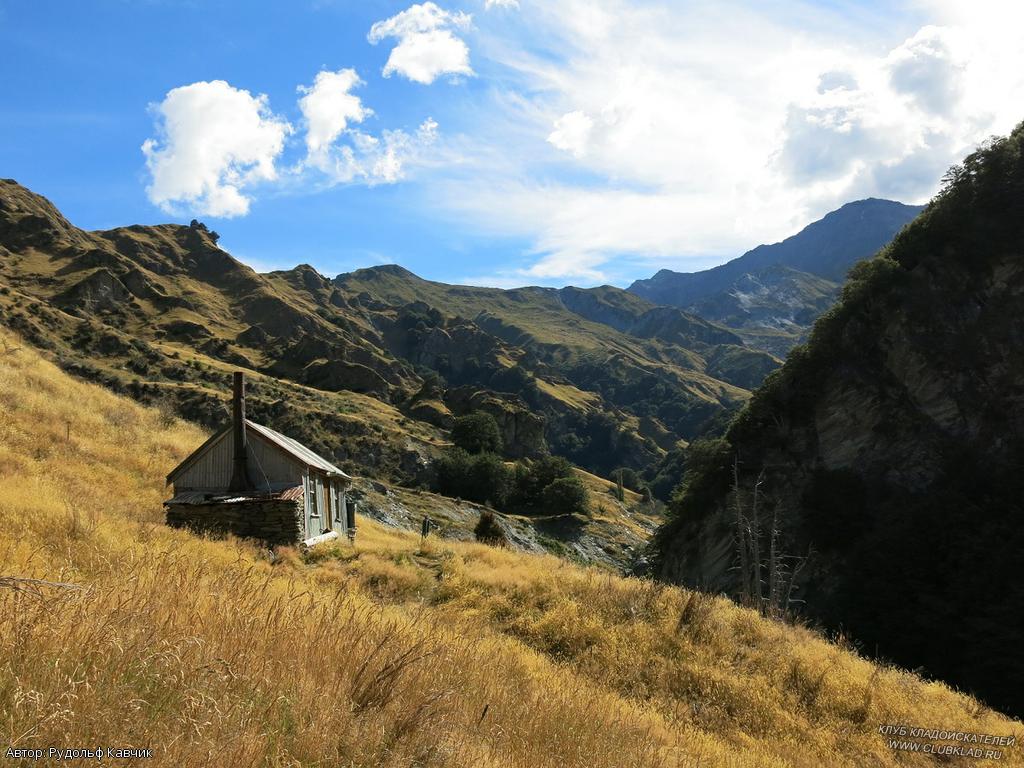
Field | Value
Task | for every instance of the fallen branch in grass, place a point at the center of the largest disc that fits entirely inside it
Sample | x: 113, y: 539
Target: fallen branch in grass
x: 33, y: 587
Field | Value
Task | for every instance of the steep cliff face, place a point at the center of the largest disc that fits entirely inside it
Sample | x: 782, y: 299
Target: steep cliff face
x: 891, y: 447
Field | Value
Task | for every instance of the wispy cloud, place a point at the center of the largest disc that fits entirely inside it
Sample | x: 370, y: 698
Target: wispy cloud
x: 633, y: 130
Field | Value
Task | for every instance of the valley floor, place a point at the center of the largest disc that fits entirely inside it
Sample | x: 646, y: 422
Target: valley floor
x: 389, y: 652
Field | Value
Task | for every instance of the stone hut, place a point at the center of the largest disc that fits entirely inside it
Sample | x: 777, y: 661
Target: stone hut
x: 254, y: 482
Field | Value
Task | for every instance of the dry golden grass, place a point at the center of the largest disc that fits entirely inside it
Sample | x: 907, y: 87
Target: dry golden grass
x: 388, y: 653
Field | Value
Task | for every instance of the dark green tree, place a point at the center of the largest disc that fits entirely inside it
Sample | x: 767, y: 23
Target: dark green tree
x: 564, y: 495
x: 477, y: 432
x: 483, y: 478
x: 489, y: 480
x: 532, y: 479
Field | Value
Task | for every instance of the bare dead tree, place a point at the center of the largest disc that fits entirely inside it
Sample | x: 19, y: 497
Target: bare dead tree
x: 800, y: 563
x: 754, y: 537
x: 781, y: 570
x: 741, y: 535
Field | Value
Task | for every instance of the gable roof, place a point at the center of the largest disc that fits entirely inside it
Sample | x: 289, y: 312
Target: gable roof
x: 296, y: 449
x: 293, y: 448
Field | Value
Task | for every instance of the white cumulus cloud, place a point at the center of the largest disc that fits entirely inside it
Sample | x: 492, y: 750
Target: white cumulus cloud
x: 501, y: 4
x: 427, y: 44
x: 328, y: 107
x: 342, y: 153
x: 213, y: 142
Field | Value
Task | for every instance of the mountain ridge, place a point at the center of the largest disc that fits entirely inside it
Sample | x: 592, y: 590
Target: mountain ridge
x: 599, y: 375
x: 817, y: 257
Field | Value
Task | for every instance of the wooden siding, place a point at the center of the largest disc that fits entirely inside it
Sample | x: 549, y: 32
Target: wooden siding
x: 211, y: 471
x: 338, y: 501
x: 280, y: 468
x: 269, y: 467
x: 315, y: 512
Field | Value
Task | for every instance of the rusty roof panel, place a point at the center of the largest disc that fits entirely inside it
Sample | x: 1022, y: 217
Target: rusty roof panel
x: 292, y: 494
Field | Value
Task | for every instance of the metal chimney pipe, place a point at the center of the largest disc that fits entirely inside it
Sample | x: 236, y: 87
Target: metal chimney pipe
x: 240, y: 472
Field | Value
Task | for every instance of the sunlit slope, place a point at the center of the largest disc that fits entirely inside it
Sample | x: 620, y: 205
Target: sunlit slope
x: 389, y: 653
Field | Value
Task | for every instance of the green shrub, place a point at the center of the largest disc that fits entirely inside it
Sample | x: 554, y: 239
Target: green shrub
x: 477, y: 433
x: 451, y: 470
x: 566, y: 494
x: 488, y: 530
x: 483, y: 478
x: 532, y: 479
x: 490, y: 480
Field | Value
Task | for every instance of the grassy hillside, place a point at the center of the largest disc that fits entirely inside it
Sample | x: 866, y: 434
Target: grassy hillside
x: 612, y: 535
x: 370, y: 368
x: 386, y: 653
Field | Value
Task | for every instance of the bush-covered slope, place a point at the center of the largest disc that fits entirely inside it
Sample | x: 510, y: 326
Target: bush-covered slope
x: 386, y: 653
x: 892, y: 445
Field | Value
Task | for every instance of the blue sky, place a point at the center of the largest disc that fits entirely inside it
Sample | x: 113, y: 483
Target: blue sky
x: 495, y: 141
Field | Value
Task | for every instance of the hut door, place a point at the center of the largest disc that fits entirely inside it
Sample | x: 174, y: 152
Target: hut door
x: 316, y: 507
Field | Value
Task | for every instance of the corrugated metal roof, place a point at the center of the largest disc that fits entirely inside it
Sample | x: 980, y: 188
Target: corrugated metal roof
x: 295, y: 493
x: 292, y: 494
x: 296, y: 449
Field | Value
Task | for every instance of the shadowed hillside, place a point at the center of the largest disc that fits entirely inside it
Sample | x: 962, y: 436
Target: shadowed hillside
x: 890, y: 446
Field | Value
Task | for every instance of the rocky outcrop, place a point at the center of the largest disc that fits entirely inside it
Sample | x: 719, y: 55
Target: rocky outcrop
x: 99, y: 290
x: 185, y: 330
x: 339, y: 374
x: 253, y: 336
x: 28, y: 220
x: 674, y: 326
x: 433, y: 412
x: 522, y: 430
x: 275, y: 316
x: 454, y: 350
